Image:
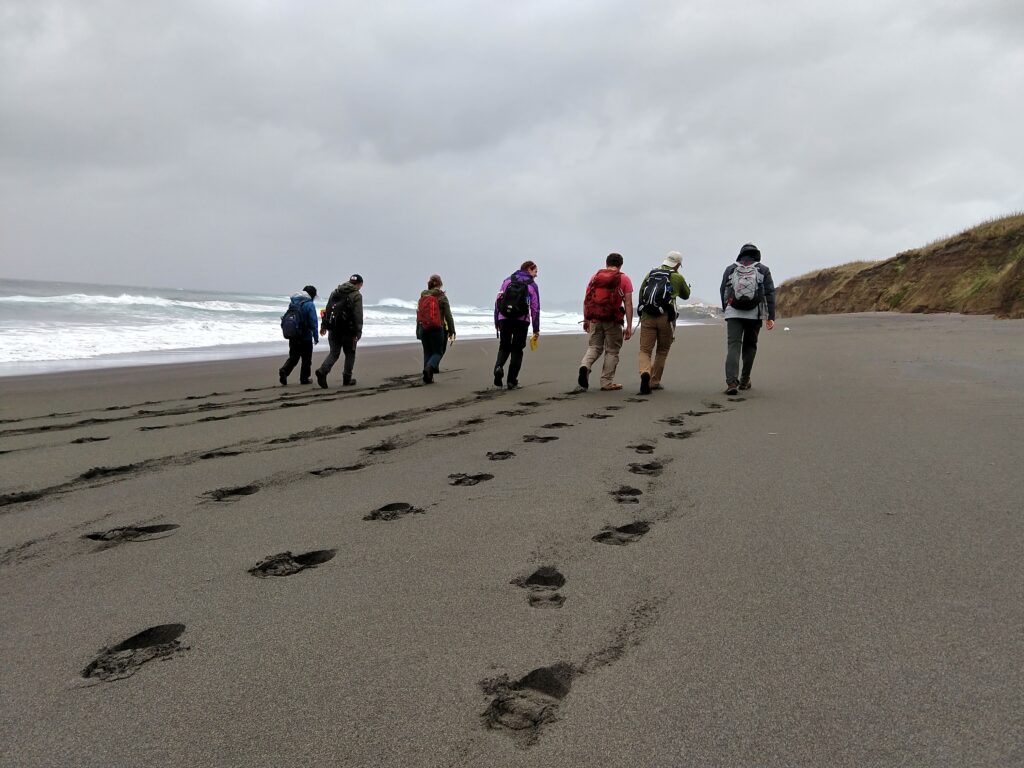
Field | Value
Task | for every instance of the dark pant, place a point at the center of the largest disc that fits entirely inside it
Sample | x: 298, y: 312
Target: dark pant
x: 434, y: 345
x: 742, y: 339
x: 339, y: 344
x: 299, y: 349
x: 511, y: 343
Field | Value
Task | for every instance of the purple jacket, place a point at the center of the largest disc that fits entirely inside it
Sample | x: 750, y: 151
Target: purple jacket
x: 532, y: 299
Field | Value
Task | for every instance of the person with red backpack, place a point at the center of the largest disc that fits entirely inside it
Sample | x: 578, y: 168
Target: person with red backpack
x: 607, y: 305
x: 435, y: 326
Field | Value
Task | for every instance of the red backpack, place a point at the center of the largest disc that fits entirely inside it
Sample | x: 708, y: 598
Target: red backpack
x: 428, y: 313
x: 604, y: 297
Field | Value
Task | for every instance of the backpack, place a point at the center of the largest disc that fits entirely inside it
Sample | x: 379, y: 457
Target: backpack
x: 513, y: 301
x: 293, y: 321
x: 428, y: 313
x: 604, y: 297
x: 656, y: 295
x: 746, y: 287
x: 339, y: 316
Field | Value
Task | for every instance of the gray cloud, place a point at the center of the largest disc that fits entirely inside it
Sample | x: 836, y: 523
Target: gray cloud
x: 256, y: 146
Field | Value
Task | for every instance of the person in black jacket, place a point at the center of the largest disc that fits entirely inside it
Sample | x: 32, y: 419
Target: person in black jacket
x: 343, y: 321
x: 748, y: 297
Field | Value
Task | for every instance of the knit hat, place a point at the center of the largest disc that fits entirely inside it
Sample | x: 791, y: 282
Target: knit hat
x: 749, y: 251
x: 672, y: 260
x: 311, y: 290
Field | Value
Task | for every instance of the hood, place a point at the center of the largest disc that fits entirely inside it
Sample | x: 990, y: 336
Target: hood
x: 301, y: 296
x: 523, y: 276
x: 748, y: 254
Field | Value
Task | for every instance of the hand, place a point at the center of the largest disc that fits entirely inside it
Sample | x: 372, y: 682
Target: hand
x: 627, y: 334
x: 769, y: 324
x: 451, y: 337
x: 323, y: 331
x: 586, y: 326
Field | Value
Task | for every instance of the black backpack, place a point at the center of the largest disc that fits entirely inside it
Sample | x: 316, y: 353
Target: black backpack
x: 339, y: 315
x: 293, y: 321
x: 513, y: 301
x: 656, y: 296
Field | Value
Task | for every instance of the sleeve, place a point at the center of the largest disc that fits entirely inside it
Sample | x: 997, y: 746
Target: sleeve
x: 357, y: 312
x: 769, y: 293
x: 682, y: 288
x: 625, y: 285
x: 446, y: 310
x: 535, y: 307
x: 725, y: 285
x: 311, y: 320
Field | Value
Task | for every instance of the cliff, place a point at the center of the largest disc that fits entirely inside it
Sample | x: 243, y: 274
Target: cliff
x: 978, y: 272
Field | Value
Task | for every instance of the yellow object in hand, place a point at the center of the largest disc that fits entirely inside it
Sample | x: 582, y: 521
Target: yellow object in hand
x: 533, y: 342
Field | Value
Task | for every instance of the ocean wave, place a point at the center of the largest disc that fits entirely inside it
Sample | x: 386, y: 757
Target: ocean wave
x: 129, y: 300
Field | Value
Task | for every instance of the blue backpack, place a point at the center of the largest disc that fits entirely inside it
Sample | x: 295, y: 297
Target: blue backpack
x: 293, y: 321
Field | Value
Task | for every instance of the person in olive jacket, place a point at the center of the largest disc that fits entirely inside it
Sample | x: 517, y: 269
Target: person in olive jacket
x: 435, y: 326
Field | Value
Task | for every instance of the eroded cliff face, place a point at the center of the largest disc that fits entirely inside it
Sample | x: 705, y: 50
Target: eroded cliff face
x: 978, y: 272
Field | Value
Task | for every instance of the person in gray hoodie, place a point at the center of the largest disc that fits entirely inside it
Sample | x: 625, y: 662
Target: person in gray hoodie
x: 748, y: 298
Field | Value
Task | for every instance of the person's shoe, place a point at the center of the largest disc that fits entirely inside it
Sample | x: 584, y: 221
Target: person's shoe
x: 321, y: 379
x: 645, y: 383
x: 304, y: 382
x: 731, y: 389
x: 283, y: 379
x: 584, y: 379
x: 744, y: 383
x: 348, y: 381
x: 428, y: 375
x: 499, y: 375
x: 611, y: 387
x: 513, y: 385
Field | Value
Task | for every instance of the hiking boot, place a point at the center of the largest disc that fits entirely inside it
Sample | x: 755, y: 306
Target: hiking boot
x: 304, y: 382
x: 283, y: 379
x: 321, y: 379
x: 348, y: 381
x: 499, y: 375
x: 428, y: 375
x: 731, y: 389
x: 513, y: 385
x: 744, y: 383
x: 645, y: 383
x: 584, y: 379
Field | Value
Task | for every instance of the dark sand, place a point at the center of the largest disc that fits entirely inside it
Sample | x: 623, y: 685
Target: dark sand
x: 854, y: 596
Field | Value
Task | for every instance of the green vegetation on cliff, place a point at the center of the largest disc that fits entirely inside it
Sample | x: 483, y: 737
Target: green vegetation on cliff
x: 977, y: 272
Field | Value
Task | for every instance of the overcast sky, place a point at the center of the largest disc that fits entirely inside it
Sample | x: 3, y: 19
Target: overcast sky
x: 257, y: 145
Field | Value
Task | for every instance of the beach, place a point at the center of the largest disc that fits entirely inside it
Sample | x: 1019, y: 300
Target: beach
x: 827, y: 570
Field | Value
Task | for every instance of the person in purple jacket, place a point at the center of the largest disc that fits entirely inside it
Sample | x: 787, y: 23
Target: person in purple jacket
x: 517, y: 305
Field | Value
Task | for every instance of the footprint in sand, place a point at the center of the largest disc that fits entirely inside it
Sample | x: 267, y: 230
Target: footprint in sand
x: 642, y: 448
x: 636, y: 400
x: 232, y: 494
x: 624, y: 534
x: 652, y: 468
x: 525, y: 705
x: 597, y: 416
x: 499, y: 455
x: 625, y: 494
x: 124, y: 659
x: 393, y: 511
x: 613, y: 407
x: 384, y: 446
x: 116, y: 536
x: 82, y: 440
x: 675, y: 421
x: 456, y: 433
x: 286, y: 564
x: 328, y: 471
x: 539, y: 438
x: 460, y: 479
x: 219, y: 454
x: 543, y: 584
x: 556, y: 425
x: 681, y: 435
x: 92, y: 474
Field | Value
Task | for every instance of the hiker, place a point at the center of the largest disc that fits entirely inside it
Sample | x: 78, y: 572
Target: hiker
x: 298, y: 324
x: 343, y: 324
x: 657, y: 309
x: 607, y: 303
x: 748, y: 297
x: 435, y: 326
x: 517, y: 305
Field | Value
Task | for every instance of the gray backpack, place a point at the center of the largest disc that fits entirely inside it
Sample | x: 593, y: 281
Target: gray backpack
x: 746, y: 287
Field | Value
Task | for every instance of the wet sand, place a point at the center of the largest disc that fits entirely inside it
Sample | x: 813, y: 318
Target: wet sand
x: 200, y: 567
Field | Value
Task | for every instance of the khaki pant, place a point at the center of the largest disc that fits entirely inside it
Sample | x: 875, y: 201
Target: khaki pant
x: 605, y: 337
x: 655, y: 330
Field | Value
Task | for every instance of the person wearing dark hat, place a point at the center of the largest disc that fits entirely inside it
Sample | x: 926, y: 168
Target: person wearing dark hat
x: 657, y: 310
x: 748, y: 297
x: 300, y: 347
x: 343, y: 325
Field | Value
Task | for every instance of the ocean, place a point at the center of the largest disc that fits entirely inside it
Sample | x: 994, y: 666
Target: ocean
x: 50, y: 326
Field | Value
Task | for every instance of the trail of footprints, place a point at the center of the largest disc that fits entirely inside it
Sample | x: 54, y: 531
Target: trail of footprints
x: 521, y: 706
